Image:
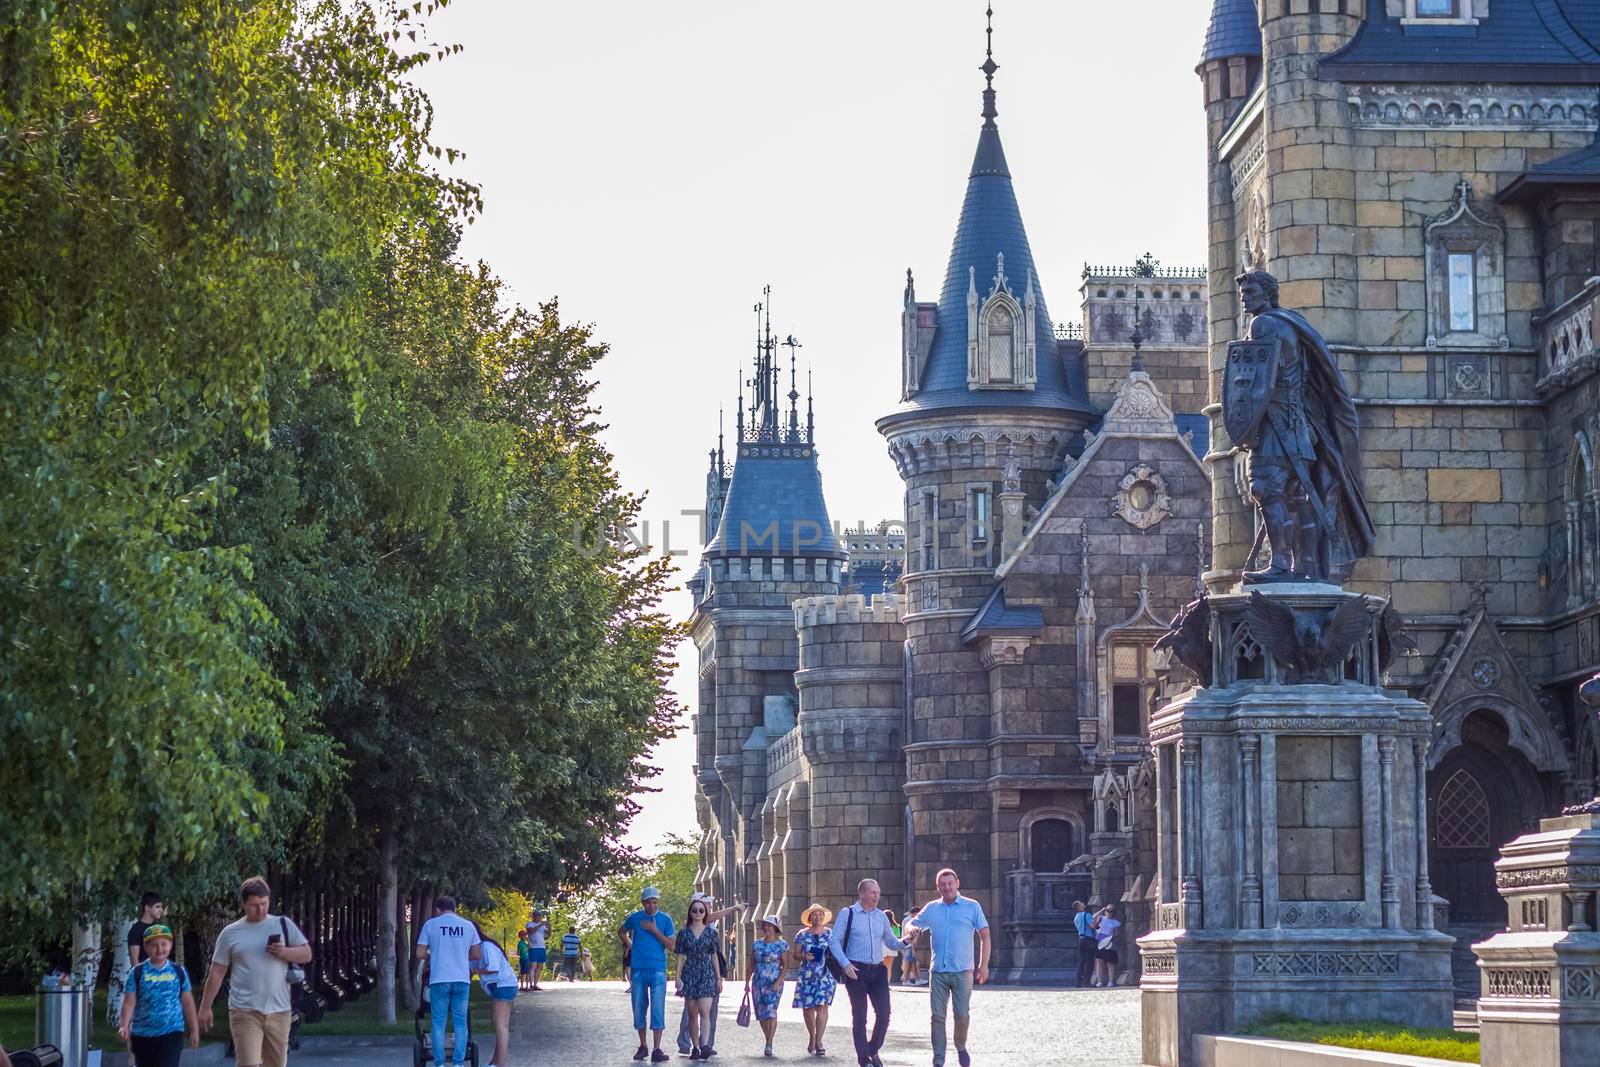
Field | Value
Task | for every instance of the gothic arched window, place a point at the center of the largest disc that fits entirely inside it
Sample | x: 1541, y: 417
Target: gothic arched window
x: 1050, y: 845
x: 1002, y: 344
x: 1463, y: 813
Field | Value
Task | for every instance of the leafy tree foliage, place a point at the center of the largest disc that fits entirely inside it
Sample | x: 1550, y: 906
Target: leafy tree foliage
x: 288, y: 565
x: 599, y: 912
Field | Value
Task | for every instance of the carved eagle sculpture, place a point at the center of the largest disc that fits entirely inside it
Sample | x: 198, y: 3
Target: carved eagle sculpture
x: 1304, y: 647
x: 1393, y: 641
x: 1189, y: 637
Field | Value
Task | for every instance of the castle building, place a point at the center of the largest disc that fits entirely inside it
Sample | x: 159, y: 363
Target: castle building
x: 1422, y: 178
x: 970, y: 687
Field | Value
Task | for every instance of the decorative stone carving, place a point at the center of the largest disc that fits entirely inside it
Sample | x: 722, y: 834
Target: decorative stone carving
x: 1243, y: 171
x: 1486, y: 672
x: 1189, y: 638
x: 1472, y: 107
x: 1308, y: 647
x: 1142, y: 499
x: 1466, y: 306
x: 1138, y: 411
x: 1326, y: 963
x: 1521, y: 983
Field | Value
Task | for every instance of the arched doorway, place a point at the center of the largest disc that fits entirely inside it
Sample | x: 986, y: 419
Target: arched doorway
x: 1050, y: 845
x: 1481, y: 794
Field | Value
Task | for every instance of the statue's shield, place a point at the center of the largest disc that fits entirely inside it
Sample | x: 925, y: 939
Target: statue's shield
x: 1247, y: 380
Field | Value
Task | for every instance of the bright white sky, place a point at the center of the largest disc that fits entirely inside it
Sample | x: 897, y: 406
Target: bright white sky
x: 654, y: 163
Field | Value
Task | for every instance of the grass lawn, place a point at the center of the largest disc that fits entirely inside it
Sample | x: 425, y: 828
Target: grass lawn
x: 1376, y: 1037
x: 16, y: 1023
x: 356, y: 1019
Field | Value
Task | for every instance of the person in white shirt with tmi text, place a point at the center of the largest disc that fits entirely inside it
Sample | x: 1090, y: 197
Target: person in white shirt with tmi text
x: 450, y: 945
x: 859, y: 937
x: 954, y: 921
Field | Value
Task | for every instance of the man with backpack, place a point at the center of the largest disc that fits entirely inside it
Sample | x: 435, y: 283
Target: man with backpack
x: 258, y: 951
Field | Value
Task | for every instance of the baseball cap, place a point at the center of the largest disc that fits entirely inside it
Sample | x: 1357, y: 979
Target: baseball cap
x: 650, y: 893
x: 155, y: 930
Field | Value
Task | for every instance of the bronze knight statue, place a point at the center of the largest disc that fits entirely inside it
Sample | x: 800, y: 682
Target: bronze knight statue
x: 1285, y: 402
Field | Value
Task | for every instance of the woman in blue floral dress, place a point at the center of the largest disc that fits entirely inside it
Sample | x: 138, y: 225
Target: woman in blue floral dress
x: 698, y: 980
x: 766, y: 975
x: 813, y: 992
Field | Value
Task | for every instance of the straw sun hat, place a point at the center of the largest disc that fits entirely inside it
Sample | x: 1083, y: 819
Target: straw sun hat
x: 805, y: 916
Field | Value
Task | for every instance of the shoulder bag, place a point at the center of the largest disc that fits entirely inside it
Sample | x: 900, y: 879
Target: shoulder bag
x: 830, y: 961
x: 296, y: 974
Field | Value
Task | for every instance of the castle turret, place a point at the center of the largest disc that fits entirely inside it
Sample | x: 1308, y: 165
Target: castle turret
x: 773, y: 544
x: 989, y: 406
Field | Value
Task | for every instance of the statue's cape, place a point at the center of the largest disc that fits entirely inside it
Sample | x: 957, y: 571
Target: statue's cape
x: 1333, y: 412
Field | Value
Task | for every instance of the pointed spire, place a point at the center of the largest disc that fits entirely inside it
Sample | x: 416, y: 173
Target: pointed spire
x: 721, y: 457
x: 990, y: 158
x: 1085, y: 615
x: 794, y: 392
x: 810, y: 422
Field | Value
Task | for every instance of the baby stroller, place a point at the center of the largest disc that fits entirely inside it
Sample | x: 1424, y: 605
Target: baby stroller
x: 422, y: 1051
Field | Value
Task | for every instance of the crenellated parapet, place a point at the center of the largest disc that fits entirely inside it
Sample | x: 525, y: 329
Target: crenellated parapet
x: 848, y: 608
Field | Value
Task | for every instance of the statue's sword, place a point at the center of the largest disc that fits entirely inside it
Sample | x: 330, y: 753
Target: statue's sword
x: 1310, y: 488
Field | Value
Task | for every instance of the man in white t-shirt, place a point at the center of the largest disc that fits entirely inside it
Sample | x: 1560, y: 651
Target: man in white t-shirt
x: 449, y: 944
x: 258, y: 949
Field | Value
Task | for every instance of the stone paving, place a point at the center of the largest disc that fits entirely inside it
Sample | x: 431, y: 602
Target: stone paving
x: 589, y: 1024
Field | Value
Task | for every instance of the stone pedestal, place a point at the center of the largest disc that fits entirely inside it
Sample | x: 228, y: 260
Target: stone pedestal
x: 1291, y: 845
x: 1540, y: 1002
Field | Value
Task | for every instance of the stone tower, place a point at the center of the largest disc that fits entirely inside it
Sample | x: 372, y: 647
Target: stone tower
x: 1230, y: 69
x: 989, y: 404
x: 773, y: 544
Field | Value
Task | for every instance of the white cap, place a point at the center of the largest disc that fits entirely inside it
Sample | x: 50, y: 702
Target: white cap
x: 650, y: 893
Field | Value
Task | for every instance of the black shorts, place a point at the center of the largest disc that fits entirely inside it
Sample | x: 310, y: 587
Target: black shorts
x: 1107, y: 954
x: 162, y: 1051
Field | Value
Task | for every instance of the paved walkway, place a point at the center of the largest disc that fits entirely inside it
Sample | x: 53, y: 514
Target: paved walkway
x: 588, y: 1024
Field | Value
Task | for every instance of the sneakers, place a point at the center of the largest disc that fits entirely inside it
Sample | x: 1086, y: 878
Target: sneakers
x: 963, y: 1058
x: 659, y: 1057
x: 695, y: 1054
x: 642, y: 1053
x: 767, y: 1051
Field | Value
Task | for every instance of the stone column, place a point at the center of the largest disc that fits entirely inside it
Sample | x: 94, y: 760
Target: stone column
x: 1389, y: 892
x: 1250, y: 890
x: 1419, y: 750
x: 1190, y: 831
x: 763, y: 866
x: 1575, y: 575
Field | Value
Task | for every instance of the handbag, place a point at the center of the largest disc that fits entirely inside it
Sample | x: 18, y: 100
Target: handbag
x: 743, y: 1018
x: 830, y: 961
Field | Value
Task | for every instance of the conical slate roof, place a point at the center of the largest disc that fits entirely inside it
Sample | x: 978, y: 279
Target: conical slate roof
x: 775, y: 505
x: 990, y: 226
x: 1235, y: 30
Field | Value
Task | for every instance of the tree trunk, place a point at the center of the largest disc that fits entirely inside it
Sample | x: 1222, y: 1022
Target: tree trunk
x: 404, y: 991
x: 388, y: 909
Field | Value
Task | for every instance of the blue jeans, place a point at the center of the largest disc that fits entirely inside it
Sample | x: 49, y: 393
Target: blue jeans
x: 449, y: 998
x: 649, y: 988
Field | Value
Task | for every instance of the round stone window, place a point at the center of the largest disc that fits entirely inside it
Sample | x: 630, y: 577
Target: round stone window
x: 1142, y: 499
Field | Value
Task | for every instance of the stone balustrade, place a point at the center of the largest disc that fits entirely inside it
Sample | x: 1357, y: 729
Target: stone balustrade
x: 1566, y: 339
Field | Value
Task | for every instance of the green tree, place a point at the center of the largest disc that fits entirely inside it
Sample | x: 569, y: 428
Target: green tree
x: 600, y: 911
x: 193, y: 196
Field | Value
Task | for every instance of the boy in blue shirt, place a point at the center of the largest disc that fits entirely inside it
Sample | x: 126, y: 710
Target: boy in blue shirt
x: 158, y: 1004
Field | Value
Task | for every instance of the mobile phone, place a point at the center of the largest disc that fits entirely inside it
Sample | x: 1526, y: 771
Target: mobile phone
x: 273, y: 939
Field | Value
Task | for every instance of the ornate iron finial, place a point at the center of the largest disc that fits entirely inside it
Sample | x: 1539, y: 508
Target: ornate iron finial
x: 794, y: 391
x: 1145, y: 266
x: 988, y: 68
x: 1138, y: 337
